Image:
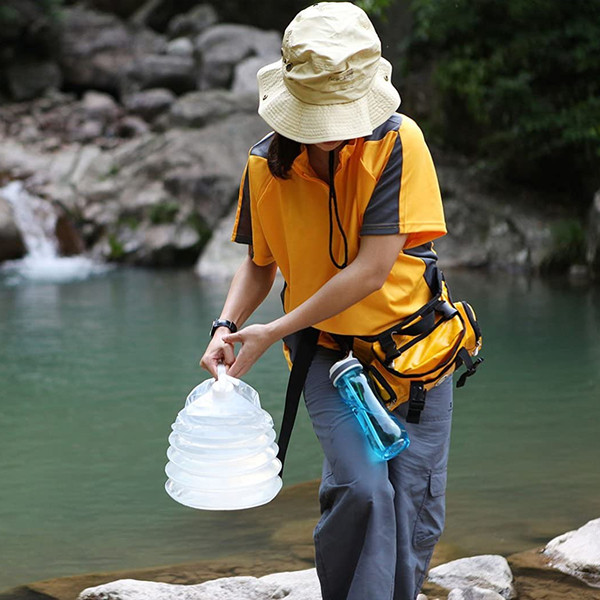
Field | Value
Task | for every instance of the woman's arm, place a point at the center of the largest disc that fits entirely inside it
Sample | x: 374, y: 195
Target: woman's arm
x: 249, y: 287
x: 364, y: 275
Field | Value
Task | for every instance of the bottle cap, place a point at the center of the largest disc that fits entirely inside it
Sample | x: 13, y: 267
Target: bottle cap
x: 343, y: 366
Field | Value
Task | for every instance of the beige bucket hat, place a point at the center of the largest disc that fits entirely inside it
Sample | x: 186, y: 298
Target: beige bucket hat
x: 331, y: 83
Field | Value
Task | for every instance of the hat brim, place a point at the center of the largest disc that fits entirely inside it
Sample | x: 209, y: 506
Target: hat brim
x: 316, y: 123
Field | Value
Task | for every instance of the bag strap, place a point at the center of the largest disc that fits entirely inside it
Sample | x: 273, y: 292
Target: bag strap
x: 416, y: 402
x: 471, y: 365
x: 304, y: 353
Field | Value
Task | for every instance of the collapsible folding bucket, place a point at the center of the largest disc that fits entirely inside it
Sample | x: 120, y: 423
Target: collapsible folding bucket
x: 222, y: 452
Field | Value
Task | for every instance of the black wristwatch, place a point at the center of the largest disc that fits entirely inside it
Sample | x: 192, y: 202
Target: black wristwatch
x: 222, y: 323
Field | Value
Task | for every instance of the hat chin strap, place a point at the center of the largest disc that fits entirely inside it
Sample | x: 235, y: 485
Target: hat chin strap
x: 333, y: 202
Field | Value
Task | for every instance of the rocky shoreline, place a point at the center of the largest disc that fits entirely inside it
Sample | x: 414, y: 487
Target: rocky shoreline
x: 567, y: 568
x: 141, y: 158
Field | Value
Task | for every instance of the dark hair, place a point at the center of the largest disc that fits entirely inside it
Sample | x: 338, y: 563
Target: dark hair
x: 282, y: 153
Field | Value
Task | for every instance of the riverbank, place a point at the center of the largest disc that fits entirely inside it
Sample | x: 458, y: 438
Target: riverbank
x: 289, y: 520
x: 291, y: 549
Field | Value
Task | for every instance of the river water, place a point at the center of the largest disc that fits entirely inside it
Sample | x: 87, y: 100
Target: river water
x: 93, y: 373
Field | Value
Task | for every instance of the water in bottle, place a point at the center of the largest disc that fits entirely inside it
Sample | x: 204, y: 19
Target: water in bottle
x: 386, y: 434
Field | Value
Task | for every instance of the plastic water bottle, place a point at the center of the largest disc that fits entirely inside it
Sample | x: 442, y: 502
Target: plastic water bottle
x: 386, y: 434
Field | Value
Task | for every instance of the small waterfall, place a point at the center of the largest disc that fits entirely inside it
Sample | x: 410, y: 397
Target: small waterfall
x: 37, y: 223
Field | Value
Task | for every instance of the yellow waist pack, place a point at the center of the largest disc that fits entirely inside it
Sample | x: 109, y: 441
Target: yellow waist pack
x: 409, y: 359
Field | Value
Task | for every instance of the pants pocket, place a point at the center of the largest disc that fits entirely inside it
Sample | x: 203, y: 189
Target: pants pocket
x: 430, y: 519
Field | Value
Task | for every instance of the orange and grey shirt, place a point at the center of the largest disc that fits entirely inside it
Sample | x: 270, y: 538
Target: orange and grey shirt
x: 385, y: 184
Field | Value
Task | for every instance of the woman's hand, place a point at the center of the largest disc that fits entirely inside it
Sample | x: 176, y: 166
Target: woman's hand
x: 255, y: 339
x: 218, y: 351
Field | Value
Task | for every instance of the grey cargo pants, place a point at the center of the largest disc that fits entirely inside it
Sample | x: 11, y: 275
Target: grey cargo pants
x: 379, y: 520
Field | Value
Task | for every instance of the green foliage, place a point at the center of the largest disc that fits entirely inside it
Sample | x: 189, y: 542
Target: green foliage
x: 117, y: 250
x: 568, y: 246
x: 519, y: 83
x: 164, y: 212
x: 375, y: 8
x: 199, y: 224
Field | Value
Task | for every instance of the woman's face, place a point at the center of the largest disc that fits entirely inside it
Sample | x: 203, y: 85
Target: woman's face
x: 329, y: 146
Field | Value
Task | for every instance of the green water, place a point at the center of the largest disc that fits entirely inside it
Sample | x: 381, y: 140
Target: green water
x: 93, y: 373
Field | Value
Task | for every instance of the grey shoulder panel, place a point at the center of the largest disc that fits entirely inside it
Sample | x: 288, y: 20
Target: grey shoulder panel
x: 392, y: 124
x: 262, y: 148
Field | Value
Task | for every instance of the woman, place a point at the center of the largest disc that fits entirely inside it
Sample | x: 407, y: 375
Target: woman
x: 344, y: 199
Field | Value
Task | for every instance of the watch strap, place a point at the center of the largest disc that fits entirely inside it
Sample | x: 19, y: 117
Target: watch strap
x: 222, y: 323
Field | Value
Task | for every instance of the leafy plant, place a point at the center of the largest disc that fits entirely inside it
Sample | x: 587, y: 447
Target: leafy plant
x: 164, y: 212
x: 519, y: 84
x: 568, y: 246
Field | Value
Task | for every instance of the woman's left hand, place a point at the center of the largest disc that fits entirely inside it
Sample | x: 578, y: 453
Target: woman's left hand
x: 255, y: 339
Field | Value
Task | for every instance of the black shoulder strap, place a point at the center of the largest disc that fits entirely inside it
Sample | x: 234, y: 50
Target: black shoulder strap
x: 305, y: 351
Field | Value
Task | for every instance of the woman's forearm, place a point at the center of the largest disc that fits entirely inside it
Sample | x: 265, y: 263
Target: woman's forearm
x: 249, y: 287
x: 360, y: 278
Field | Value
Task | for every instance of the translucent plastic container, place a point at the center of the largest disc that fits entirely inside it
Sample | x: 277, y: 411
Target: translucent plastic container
x: 222, y: 451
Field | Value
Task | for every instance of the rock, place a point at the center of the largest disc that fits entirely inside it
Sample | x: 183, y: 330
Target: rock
x: 178, y: 184
x: 99, y: 107
x: 295, y: 585
x: 193, y: 22
x: 577, y: 553
x: 537, y: 580
x: 176, y: 73
x: 474, y: 593
x: 486, y: 571
x: 490, y: 228
x: 593, y: 235
x: 181, y: 46
x: 221, y: 257
x: 69, y: 239
x: 87, y: 131
x: 244, y: 74
x: 197, y: 109
x: 157, y: 14
x: 148, y: 104
x: 96, y: 49
x: 28, y: 79
x: 131, y: 126
x: 11, y: 242
x: 223, y: 46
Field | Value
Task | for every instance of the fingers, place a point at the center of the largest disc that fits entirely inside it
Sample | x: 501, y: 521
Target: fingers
x: 217, y: 352
x: 233, y: 338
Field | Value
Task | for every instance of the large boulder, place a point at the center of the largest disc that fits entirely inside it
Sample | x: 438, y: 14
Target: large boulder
x: 295, y: 585
x: 97, y: 49
x: 156, y: 199
x: 198, y: 109
x: 474, y: 593
x: 220, y: 257
x: 244, y: 74
x: 577, y: 553
x: 157, y: 14
x: 149, y: 104
x: 491, y: 228
x: 193, y: 22
x: 29, y: 78
x: 171, y: 71
x: 223, y: 46
x: 489, y: 572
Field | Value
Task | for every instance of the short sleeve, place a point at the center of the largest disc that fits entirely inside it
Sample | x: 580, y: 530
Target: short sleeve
x: 247, y: 227
x: 407, y: 198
